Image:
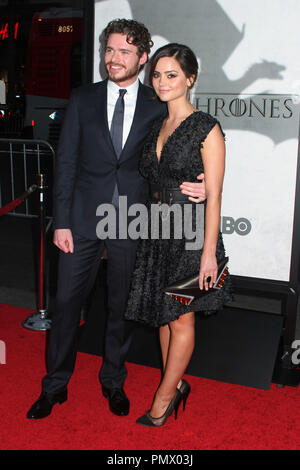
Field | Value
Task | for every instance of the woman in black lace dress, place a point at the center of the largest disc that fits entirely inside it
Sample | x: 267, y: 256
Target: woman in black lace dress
x: 187, y: 142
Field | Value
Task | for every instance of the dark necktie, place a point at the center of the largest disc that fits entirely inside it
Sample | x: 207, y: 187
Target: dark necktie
x: 116, y: 129
x: 116, y: 132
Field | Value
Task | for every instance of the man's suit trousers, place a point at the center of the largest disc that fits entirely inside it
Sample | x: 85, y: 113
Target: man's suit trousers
x: 76, y: 276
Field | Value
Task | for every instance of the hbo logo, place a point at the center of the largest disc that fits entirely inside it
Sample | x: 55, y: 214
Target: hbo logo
x: 241, y: 226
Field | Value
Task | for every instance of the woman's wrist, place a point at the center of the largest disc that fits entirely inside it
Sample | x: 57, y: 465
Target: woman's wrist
x: 209, y: 250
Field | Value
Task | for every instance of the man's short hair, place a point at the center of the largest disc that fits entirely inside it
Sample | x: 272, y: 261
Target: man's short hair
x: 136, y: 33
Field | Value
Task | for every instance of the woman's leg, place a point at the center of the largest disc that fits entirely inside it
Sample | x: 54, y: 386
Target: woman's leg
x: 164, y: 338
x: 177, y: 358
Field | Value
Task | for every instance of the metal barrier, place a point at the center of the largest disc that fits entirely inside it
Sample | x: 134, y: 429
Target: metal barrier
x: 20, y: 161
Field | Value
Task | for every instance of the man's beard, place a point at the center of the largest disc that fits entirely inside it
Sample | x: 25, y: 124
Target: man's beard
x: 128, y: 74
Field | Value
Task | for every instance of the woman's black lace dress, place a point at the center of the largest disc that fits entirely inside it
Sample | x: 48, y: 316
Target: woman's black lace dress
x: 160, y: 262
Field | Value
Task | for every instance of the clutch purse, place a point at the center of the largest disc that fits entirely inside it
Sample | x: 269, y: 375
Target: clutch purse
x: 186, y: 290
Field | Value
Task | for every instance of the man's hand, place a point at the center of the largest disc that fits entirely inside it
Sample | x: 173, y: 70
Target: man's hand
x: 63, y: 240
x: 195, y: 191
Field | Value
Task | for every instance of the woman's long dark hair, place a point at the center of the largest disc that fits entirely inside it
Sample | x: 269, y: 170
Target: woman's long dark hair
x: 184, y: 56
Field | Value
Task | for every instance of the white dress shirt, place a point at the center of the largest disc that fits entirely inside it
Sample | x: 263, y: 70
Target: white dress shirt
x: 130, y: 98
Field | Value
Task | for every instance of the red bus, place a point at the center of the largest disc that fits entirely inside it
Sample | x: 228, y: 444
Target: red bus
x: 53, y: 68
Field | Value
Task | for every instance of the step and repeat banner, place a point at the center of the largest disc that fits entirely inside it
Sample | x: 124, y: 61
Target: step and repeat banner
x: 249, y: 80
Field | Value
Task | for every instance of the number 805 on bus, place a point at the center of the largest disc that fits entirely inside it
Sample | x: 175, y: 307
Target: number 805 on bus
x: 65, y: 28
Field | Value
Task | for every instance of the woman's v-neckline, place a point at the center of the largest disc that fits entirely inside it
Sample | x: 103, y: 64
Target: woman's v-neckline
x: 169, y: 137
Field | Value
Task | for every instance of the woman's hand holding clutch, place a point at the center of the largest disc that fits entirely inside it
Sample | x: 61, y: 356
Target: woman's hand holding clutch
x: 187, y: 289
x: 208, y: 271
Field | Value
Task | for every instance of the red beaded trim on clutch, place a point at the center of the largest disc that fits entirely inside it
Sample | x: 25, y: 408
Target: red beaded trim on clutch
x: 188, y: 299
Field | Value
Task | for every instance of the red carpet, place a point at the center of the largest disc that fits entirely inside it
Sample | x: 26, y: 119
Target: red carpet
x: 218, y: 415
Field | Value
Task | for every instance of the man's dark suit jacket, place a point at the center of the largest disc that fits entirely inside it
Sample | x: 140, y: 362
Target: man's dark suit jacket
x: 87, y: 167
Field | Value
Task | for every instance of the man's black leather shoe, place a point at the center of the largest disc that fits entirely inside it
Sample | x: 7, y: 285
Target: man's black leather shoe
x: 43, y: 406
x: 118, y: 402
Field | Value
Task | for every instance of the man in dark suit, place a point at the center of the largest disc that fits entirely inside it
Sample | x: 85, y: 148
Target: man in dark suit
x: 97, y: 160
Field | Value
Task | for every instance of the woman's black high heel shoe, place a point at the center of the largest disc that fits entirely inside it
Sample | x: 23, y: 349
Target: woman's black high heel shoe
x: 148, y: 420
x: 184, y: 389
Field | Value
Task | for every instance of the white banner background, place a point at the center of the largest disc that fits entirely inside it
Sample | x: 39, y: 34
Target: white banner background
x: 246, y: 50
